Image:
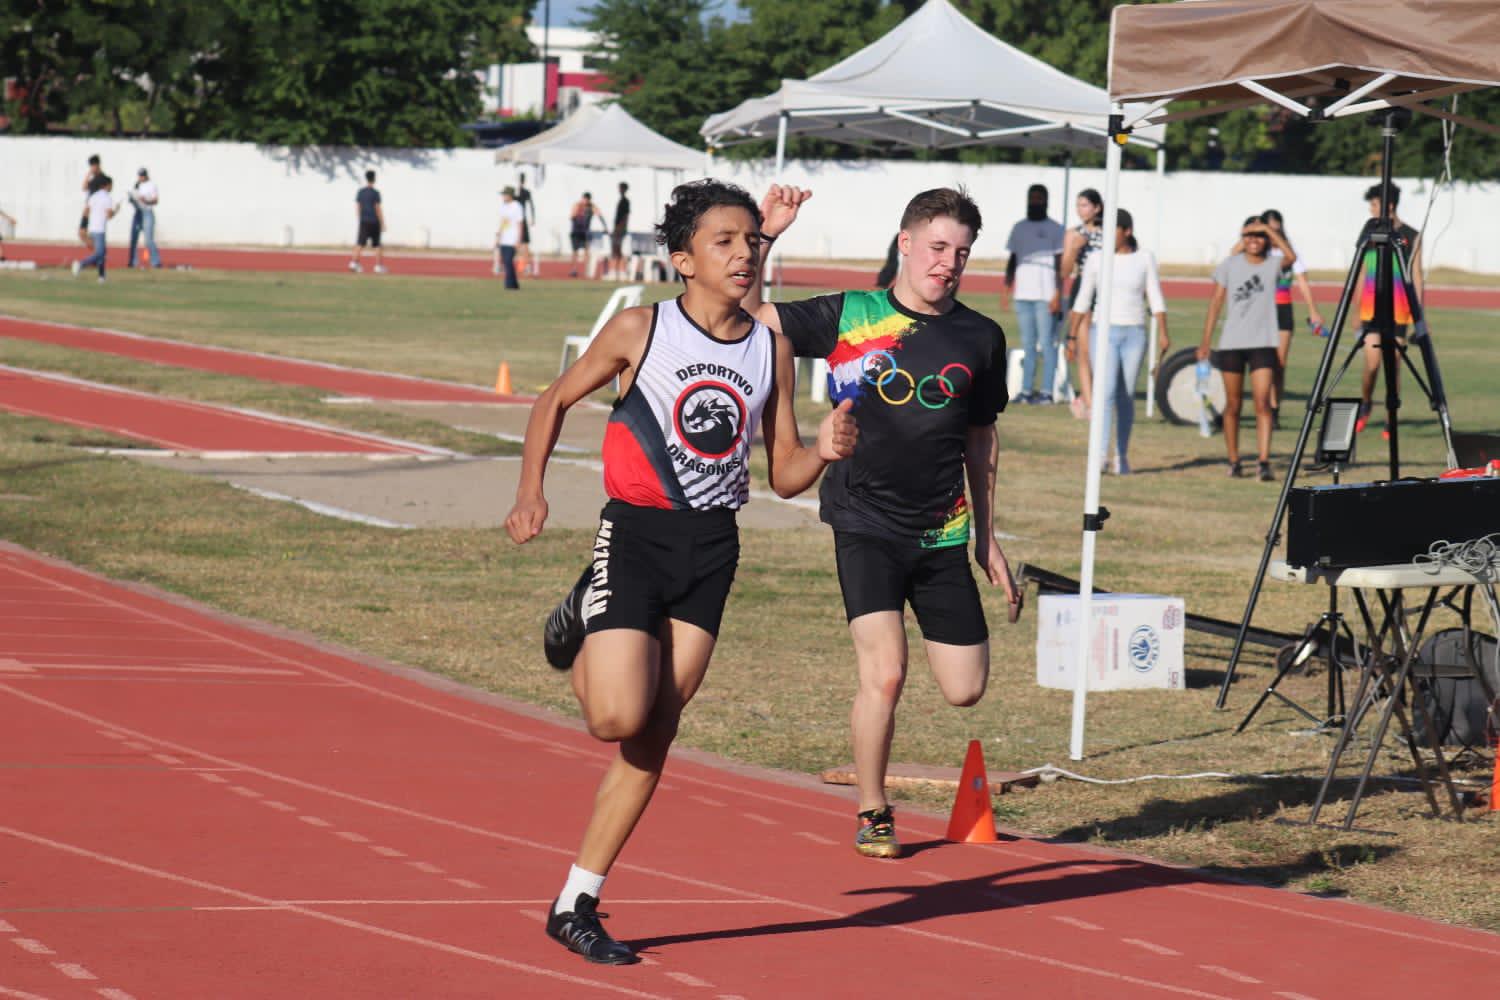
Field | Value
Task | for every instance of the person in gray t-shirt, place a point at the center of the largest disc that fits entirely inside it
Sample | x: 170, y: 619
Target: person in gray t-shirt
x: 1246, y: 284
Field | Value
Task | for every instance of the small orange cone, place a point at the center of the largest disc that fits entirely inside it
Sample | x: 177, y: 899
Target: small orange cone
x: 502, y: 379
x: 973, y: 821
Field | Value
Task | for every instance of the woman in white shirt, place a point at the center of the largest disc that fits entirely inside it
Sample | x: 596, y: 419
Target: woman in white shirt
x: 1136, y: 285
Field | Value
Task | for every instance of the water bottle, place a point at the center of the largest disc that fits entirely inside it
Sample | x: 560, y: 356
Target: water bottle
x: 1204, y: 371
x: 1318, y: 329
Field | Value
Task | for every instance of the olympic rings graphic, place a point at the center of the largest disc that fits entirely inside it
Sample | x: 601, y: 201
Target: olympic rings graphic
x: 880, y: 376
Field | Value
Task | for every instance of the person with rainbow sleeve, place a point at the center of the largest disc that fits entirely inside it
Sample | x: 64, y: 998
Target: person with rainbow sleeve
x: 1409, y: 243
x: 924, y: 377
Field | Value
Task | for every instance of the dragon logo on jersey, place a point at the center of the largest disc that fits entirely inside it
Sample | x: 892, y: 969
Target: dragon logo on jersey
x: 709, y: 417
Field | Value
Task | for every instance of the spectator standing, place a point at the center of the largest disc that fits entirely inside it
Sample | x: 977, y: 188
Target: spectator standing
x: 1031, y: 279
x: 101, y: 208
x: 371, y: 217
x: 89, y: 176
x: 617, y: 234
x: 528, y: 261
x: 580, y: 219
x: 508, y: 236
x: 1081, y: 241
x: 144, y: 197
x: 1409, y: 247
x: 1246, y: 282
x: 1136, y: 284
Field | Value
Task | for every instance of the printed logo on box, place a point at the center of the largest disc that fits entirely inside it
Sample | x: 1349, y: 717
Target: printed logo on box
x: 1171, y: 618
x: 1145, y: 647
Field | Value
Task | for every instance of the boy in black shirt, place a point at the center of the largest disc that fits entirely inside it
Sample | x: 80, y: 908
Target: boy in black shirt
x: 926, y: 375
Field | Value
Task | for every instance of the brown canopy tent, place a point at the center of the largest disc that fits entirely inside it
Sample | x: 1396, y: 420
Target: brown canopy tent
x: 1316, y: 58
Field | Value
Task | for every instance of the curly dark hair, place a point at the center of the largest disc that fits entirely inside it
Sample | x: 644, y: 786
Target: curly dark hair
x: 689, y: 204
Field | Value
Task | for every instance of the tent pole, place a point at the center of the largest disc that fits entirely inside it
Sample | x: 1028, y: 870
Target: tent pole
x: 1161, y: 185
x: 780, y: 145
x: 1097, y: 445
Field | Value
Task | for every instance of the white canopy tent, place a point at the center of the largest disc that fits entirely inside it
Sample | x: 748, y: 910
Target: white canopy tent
x: 602, y: 136
x: 935, y: 81
x: 1319, y: 59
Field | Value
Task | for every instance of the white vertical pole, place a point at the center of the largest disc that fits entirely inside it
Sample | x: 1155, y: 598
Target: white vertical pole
x: 1097, y: 444
x: 768, y: 269
x: 1151, y: 359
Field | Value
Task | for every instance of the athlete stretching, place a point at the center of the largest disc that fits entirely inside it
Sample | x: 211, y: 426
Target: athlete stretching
x: 697, y: 375
x: 926, y: 376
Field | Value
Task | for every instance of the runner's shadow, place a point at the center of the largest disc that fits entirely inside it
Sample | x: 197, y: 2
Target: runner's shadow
x: 1003, y: 890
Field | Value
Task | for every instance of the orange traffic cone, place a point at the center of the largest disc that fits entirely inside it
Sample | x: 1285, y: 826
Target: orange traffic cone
x: 972, y: 822
x: 502, y: 379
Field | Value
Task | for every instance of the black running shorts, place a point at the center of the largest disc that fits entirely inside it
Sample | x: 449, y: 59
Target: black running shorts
x: 1236, y: 359
x: 1285, y: 318
x: 651, y: 565
x: 369, y: 234
x: 879, y: 574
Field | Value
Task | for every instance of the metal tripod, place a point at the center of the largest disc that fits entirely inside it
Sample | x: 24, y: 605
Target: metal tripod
x: 1381, y: 239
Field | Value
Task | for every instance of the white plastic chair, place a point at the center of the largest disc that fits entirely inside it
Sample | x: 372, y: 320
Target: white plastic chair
x: 623, y: 297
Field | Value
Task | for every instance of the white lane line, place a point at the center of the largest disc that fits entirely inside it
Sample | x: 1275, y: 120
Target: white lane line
x: 6, y: 928
x: 73, y: 970
x: 1159, y: 949
x: 465, y: 883
x: 765, y: 820
x: 217, y: 779
x: 388, y: 852
x: 110, y: 734
x: 412, y: 939
x: 166, y: 758
x: 557, y: 751
x: 327, y: 510
x: 1082, y: 925
x: 285, y: 807
x: 32, y: 945
x: 137, y: 745
x: 1293, y: 996
x: 1238, y: 977
x: 357, y: 838
x: 314, y: 821
x: 687, y: 980
x: 19, y: 994
x: 560, y: 851
x: 706, y: 800
x: 248, y: 793
x: 931, y: 876
x: 426, y: 866
x: 110, y: 993
x: 817, y: 838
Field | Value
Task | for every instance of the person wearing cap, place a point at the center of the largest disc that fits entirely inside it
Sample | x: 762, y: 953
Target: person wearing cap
x: 371, y: 224
x: 144, y: 197
x: 508, y: 236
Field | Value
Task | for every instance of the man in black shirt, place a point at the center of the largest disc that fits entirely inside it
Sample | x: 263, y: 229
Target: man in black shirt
x: 926, y: 375
x: 371, y: 224
x: 617, y: 234
x: 1409, y: 245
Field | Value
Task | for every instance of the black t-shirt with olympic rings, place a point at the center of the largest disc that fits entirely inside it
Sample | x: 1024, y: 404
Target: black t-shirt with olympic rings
x: 918, y: 383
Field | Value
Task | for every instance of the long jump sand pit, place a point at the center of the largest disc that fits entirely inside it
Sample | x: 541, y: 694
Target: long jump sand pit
x: 445, y: 493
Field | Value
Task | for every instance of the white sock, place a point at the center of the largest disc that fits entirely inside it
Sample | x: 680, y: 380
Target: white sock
x: 578, y: 881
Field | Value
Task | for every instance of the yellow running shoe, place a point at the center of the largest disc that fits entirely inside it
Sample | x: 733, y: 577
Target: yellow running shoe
x: 877, y: 834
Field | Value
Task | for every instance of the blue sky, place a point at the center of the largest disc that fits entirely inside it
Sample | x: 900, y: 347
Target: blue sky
x: 566, y: 13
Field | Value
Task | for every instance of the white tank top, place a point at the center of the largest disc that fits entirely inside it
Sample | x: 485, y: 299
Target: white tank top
x: 680, y: 436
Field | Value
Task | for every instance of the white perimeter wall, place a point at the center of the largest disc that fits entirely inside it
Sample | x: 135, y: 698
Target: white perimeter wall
x: 241, y: 194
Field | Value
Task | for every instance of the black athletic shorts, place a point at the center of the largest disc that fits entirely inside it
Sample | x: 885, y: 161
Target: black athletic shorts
x: 579, y: 241
x: 1285, y: 320
x: 83, y: 221
x: 1236, y: 359
x: 1372, y: 336
x: 652, y: 564
x: 879, y: 574
x: 369, y: 234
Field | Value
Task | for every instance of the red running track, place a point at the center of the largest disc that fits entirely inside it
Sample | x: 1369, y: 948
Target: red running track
x: 249, y: 364
x: 197, y: 806
x: 796, y: 275
x: 180, y: 424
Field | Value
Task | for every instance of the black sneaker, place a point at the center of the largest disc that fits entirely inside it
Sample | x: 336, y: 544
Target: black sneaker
x: 563, y: 634
x: 1263, y: 472
x: 580, y: 931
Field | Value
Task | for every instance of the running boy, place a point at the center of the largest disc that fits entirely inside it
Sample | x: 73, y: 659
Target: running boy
x: 1247, y: 281
x: 697, y: 374
x: 925, y: 376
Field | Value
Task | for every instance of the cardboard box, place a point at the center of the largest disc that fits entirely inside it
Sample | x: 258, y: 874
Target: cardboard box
x: 1137, y: 642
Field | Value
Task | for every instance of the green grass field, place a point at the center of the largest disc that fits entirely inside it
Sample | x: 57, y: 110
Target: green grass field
x: 468, y: 604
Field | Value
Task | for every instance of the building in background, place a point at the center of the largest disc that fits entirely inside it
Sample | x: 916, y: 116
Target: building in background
x: 568, y: 77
